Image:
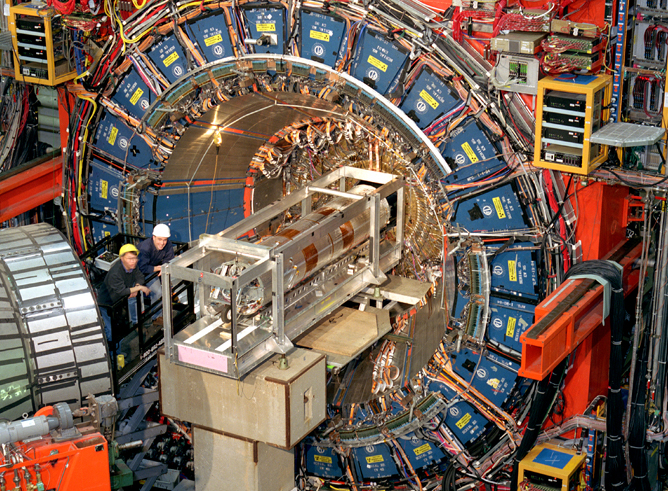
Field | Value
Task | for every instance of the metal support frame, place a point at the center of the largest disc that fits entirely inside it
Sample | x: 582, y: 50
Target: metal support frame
x: 254, y: 337
x: 278, y: 300
x: 374, y: 239
x: 568, y: 316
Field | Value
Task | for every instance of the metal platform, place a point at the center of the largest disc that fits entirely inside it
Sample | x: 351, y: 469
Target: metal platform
x: 624, y: 135
x: 345, y: 333
x: 400, y: 289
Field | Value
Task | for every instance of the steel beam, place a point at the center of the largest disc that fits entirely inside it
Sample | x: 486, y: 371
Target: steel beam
x: 26, y: 188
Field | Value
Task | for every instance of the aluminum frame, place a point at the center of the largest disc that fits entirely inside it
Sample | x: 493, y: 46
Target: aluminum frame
x: 259, y: 335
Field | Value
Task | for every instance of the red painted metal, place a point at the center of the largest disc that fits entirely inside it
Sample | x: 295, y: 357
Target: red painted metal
x: 541, y: 355
x: 634, y: 210
x: 602, y: 217
x: 65, y: 107
x: 588, y: 376
x: 23, y: 189
x: 437, y: 5
x: 71, y: 465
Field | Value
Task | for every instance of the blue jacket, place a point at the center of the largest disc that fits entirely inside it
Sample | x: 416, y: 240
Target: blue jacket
x: 149, y: 256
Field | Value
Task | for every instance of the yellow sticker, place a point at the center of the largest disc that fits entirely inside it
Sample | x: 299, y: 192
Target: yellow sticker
x: 377, y: 63
x: 499, y: 207
x: 112, y: 135
x: 510, y: 328
x: 422, y: 449
x: 213, y: 40
x: 429, y: 99
x: 462, y: 422
x: 104, y: 187
x: 322, y: 36
x: 494, y: 383
x: 323, y: 459
x: 266, y: 27
x: 107, y: 233
x: 135, y: 97
x: 469, y: 151
x: 512, y: 270
x: 374, y: 458
x: 171, y: 59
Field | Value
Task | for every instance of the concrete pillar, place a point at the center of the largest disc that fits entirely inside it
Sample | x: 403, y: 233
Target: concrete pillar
x: 227, y: 463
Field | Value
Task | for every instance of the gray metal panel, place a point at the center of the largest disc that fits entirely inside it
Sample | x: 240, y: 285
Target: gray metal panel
x: 627, y: 135
x: 52, y: 345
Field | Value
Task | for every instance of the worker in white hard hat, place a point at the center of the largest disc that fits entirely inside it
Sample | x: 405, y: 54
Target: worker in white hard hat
x: 123, y: 280
x: 153, y: 253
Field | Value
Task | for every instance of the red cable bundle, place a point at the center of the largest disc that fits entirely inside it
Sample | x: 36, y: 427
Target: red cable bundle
x: 460, y: 16
x: 521, y: 22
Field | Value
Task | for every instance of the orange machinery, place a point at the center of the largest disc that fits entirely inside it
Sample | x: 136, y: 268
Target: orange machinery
x: 49, y: 452
x: 80, y: 463
x: 572, y: 317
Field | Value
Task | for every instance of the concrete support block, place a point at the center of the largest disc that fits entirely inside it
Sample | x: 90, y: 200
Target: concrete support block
x: 227, y: 463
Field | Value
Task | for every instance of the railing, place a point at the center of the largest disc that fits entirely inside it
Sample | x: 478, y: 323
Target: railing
x: 149, y: 334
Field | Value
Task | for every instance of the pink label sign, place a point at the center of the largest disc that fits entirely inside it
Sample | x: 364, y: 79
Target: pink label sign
x: 204, y: 359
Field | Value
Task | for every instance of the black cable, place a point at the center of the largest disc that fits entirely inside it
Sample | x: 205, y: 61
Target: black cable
x: 546, y: 394
x: 449, y: 477
x: 615, y: 474
x: 638, y: 423
x: 634, y: 185
x: 543, y: 272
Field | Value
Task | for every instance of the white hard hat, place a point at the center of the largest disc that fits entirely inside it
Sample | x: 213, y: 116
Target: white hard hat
x: 162, y: 230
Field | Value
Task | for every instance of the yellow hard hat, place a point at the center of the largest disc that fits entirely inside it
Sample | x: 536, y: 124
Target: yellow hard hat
x: 128, y: 248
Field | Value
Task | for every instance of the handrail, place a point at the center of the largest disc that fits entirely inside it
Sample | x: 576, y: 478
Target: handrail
x: 121, y: 328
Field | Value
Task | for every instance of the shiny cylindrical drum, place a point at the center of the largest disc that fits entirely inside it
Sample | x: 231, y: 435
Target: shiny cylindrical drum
x: 53, y: 347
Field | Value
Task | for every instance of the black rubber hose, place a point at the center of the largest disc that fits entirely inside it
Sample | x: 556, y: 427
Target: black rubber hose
x: 615, y: 474
x: 546, y: 395
x: 638, y: 424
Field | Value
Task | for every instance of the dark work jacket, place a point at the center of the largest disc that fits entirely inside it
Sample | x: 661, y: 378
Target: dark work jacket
x: 149, y: 256
x: 117, y: 283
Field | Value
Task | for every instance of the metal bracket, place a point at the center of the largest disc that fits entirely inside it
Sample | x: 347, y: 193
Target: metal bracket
x: 275, y: 346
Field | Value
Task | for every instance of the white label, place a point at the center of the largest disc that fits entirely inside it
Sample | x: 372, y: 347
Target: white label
x: 27, y: 423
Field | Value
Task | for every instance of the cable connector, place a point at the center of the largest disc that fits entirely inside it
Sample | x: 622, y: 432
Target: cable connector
x: 266, y: 39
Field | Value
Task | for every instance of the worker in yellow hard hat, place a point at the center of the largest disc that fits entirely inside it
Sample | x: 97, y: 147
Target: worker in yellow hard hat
x: 123, y: 279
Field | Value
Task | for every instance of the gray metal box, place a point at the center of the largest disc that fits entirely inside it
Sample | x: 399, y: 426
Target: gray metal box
x: 517, y: 73
x: 527, y: 43
x: 269, y: 405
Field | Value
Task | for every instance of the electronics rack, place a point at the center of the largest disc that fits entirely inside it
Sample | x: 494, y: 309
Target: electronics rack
x: 40, y: 52
x: 568, y: 110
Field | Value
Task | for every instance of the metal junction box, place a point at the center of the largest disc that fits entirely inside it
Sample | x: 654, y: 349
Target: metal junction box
x: 527, y: 43
x: 269, y: 405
